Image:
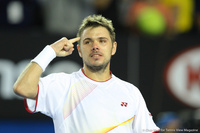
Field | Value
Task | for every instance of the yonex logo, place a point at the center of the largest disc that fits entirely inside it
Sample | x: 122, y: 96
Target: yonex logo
x: 124, y: 104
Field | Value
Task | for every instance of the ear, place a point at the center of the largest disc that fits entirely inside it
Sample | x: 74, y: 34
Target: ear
x: 114, y: 49
x: 79, y: 51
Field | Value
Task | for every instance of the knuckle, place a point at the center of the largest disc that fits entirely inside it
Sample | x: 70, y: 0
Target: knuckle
x: 63, y: 38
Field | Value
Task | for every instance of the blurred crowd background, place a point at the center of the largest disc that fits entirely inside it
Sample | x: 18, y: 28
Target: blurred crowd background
x: 169, y: 17
x: 151, y: 34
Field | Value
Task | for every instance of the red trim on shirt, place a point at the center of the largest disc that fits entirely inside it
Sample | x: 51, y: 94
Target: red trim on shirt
x: 95, y: 80
x: 26, y: 105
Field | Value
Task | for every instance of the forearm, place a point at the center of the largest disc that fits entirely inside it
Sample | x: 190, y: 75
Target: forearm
x: 27, y: 83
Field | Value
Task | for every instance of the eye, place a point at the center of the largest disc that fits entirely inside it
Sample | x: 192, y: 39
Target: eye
x: 102, y: 40
x: 87, y: 42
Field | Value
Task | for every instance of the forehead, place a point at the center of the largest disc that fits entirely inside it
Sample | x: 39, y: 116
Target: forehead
x: 95, y: 32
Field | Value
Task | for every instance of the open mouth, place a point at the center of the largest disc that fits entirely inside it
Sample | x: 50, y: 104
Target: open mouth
x: 96, y: 55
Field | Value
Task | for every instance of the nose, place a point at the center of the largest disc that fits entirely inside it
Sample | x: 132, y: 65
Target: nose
x: 95, y: 46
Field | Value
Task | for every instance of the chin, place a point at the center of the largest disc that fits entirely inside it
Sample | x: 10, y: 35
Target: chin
x: 97, y: 67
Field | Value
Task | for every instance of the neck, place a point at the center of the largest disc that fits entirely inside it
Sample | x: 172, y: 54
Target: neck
x: 101, y: 75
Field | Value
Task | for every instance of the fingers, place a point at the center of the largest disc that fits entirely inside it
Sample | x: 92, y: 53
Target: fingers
x: 64, y: 47
x: 64, y: 53
x: 73, y: 40
x: 69, y: 43
x: 68, y: 47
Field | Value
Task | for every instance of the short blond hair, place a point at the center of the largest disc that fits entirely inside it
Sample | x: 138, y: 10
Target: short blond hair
x: 95, y: 21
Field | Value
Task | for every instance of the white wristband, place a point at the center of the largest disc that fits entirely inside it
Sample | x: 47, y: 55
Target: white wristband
x: 45, y: 57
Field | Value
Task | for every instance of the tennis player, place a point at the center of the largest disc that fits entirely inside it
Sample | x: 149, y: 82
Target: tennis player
x: 91, y: 100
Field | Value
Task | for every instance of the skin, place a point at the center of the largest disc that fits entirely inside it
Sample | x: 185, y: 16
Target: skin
x: 96, y: 49
x: 94, y: 41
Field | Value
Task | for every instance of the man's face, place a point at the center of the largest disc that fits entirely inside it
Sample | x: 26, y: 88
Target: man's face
x: 96, y: 48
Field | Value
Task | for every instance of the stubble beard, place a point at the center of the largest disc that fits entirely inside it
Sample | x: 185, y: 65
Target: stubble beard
x: 94, y: 68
